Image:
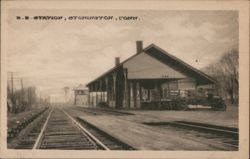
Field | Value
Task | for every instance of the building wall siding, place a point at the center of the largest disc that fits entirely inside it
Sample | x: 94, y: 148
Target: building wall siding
x: 82, y: 100
x: 144, y: 66
x: 187, y: 84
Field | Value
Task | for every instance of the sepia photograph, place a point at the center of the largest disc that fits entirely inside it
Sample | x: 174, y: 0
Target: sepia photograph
x: 122, y: 80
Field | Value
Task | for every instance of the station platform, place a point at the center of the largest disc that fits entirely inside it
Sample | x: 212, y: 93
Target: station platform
x: 228, y: 118
x: 143, y: 137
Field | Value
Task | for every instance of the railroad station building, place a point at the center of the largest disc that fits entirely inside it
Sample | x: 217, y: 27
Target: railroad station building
x: 149, y: 76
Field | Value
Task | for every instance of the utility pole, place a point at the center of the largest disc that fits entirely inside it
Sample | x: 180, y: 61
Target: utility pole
x: 21, y: 80
x: 75, y: 96
x: 29, y: 96
x: 22, y: 90
x: 12, y: 85
x: 40, y: 97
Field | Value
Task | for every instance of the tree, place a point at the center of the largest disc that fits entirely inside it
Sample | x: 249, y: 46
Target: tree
x: 225, y: 71
x: 66, y: 90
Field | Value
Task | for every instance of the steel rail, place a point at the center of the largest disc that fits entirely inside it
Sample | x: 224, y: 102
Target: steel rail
x: 86, y: 131
x: 204, y: 127
x: 211, y: 129
x: 198, y: 128
x: 36, y: 145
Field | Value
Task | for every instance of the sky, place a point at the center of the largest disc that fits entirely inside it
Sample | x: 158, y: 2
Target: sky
x: 52, y: 54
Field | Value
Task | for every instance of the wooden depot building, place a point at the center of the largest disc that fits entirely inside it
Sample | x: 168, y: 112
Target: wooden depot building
x: 151, y: 75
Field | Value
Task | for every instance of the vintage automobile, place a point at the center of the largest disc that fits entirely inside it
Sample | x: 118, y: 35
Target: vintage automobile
x: 205, y: 98
x: 179, y: 100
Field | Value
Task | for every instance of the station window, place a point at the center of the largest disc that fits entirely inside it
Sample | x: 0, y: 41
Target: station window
x: 173, y: 85
x: 168, y: 89
x: 145, y: 94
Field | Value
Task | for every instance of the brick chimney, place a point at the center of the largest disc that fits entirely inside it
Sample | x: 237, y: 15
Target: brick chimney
x: 117, y: 61
x: 139, y: 46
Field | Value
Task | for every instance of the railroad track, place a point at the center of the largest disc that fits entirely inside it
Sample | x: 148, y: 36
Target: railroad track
x: 57, y: 129
x: 28, y: 138
x: 20, y: 125
x: 61, y: 131
x: 227, y: 137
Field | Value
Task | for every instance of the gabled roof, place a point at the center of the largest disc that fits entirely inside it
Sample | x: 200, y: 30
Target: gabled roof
x: 112, y: 69
x: 168, y: 59
x: 80, y: 87
x: 177, y: 63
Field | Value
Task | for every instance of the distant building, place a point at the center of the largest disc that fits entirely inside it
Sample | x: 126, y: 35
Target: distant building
x: 81, y: 96
x: 151, y: 75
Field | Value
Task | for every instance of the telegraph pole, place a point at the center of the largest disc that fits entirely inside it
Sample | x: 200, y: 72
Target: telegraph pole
x: 12, y: 85
x: 21, y: 83
x: 22, y: 96
x: 40, y: 97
